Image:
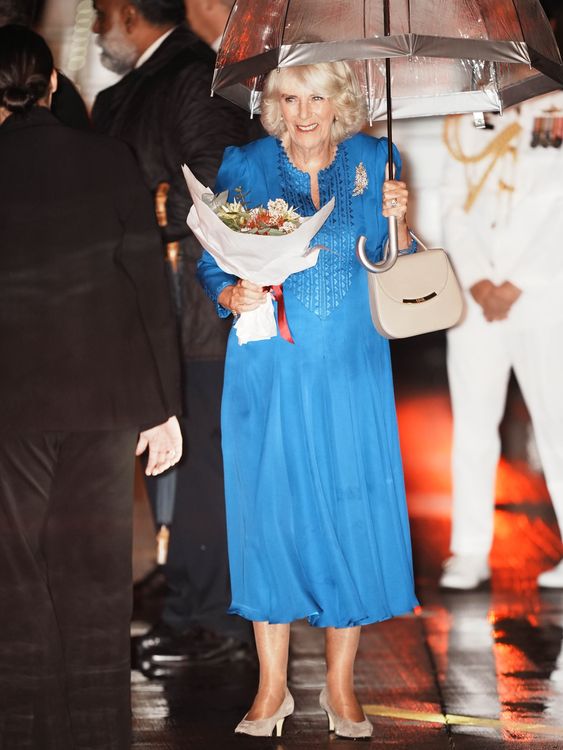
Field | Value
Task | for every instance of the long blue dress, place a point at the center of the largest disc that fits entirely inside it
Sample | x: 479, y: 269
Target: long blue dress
x: 316, y: 513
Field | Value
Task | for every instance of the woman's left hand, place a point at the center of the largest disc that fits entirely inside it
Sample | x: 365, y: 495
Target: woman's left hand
x: 395, y: 199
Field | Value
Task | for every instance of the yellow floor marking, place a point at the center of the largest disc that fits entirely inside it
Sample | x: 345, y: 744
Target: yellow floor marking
x: 468, y: 721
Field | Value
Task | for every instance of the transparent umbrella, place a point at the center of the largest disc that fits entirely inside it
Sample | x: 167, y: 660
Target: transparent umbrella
x: 448, y: 56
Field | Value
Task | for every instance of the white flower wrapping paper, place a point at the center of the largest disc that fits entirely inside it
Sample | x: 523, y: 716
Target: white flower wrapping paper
x: 264, y: 260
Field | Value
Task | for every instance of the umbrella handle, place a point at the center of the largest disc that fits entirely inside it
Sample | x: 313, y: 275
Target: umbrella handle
x: 162, y: 540
x: 390, y: 251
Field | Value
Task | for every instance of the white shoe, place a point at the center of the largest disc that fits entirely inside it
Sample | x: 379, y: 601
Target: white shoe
x: 552, y: 579
x: 272, y: 725
x: 355, y: 730
x: 465, y: 572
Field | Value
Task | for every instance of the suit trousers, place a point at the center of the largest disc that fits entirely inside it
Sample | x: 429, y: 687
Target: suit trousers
x: 480, y: 358
x: 65, y: 590
x: 197, y: 571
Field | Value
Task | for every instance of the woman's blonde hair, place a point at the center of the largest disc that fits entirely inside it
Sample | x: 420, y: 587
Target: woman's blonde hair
x: 334, y: 80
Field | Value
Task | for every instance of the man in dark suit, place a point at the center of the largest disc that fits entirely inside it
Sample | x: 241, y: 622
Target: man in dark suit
x: 89, y: 359
x: 67, y: 105
x: 163, y: 109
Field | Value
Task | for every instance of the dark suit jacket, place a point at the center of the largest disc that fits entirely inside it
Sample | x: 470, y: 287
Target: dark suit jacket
x: 87, y: 339
x: 165, y: 112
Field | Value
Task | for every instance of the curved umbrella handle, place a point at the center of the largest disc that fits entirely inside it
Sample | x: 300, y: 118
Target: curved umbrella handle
x: 390, y: 252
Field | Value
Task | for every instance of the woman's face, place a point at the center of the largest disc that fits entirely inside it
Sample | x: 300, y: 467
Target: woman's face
x: 307, y: 114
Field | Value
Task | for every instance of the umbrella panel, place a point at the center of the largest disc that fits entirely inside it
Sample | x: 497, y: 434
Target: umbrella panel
x: 255, y: 27
x: 431, y: 86
x: 536, y: 29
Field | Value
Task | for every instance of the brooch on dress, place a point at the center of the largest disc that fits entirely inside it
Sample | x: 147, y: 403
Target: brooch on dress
x: 360, y: 181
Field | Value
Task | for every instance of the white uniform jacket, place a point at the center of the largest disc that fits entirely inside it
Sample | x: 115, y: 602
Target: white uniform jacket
x: 514, y: 230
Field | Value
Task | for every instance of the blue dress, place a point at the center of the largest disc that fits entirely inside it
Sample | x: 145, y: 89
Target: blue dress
x: 316, y: 513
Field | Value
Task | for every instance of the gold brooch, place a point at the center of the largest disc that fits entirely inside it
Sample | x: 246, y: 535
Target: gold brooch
x: 361, y: 180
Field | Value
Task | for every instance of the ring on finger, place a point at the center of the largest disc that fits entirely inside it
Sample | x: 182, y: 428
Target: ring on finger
x: 394, y: 202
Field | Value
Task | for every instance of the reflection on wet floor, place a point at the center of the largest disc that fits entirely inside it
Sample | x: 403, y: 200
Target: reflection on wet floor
x: 476, y: 670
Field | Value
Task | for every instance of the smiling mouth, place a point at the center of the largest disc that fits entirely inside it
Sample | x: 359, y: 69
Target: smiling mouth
x: 307, y: 128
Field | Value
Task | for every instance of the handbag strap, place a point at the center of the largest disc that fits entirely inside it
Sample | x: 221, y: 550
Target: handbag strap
x: 418, y: 241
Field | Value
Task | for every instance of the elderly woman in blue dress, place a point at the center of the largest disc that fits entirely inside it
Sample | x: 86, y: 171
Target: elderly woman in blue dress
x: 316, y: 512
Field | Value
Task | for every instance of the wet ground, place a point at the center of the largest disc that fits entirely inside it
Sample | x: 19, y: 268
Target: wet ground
x: 470, y: 671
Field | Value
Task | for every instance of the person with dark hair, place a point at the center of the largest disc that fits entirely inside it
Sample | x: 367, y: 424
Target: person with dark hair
x: 67, y: 104
x: 90, y: 359
x: 162, y: 107
x: 17, y: 12
x: 160, y: 12
x: 208, y: 19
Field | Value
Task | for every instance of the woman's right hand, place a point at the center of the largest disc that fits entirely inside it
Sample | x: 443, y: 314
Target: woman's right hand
x: 242, y: 297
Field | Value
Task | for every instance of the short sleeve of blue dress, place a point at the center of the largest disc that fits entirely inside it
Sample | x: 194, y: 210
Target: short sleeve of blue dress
x: 316, y: 513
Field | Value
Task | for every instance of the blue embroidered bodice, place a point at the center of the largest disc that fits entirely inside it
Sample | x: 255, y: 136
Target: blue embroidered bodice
x: 322, y: 288
x: 263, y: 171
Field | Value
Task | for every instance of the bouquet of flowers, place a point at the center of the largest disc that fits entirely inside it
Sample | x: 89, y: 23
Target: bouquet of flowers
x: 274, y: 221
x: 263, y: 245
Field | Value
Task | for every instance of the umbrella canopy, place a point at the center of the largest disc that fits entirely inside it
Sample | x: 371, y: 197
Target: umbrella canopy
x: 449, y: 56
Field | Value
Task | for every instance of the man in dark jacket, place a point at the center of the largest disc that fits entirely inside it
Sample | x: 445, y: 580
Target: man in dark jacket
x: 163, y: 109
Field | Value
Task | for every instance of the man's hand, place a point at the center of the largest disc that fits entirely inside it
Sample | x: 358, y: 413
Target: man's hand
x: 495, y: 301
x: 508, y: 292
x: 481, y: 290
x: 165, y: 446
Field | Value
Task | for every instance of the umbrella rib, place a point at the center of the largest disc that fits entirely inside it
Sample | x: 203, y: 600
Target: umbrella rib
x: 231, y: 13
x: 284, y: 26
x: 387, y: 32
x: 367, y: 64
x: 519, y: 20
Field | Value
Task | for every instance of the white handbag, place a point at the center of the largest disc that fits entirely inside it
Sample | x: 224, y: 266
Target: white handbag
x: 418, y: 294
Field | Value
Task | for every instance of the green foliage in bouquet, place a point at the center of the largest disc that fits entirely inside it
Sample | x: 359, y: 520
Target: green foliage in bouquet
x: 277, y: 219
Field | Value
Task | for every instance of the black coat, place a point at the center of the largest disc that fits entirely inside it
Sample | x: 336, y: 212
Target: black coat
x: 67, y: 104
x: 163, y: 109
x: 87, y: 339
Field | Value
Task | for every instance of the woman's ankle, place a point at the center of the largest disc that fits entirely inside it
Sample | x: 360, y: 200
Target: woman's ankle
x: 344, y: 701
x: 267, y: 701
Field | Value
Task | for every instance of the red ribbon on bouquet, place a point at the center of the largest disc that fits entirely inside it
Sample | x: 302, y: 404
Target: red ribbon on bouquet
x: 285, y: 333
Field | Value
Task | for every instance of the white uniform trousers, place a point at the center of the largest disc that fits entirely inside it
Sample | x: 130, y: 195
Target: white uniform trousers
x: 480, y: 358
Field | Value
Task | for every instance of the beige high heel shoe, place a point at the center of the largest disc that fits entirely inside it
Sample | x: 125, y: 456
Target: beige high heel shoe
x: 356, y: 730
x: 265, y: 727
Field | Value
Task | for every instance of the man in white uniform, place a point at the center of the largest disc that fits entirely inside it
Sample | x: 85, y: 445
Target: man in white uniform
x: 503, y: 225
